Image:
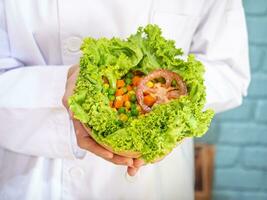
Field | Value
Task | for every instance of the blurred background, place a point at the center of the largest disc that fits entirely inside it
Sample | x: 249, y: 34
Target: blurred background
x: 240, y: 135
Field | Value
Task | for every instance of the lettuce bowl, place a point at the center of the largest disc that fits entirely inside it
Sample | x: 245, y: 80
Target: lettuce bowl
x: 150, y: 135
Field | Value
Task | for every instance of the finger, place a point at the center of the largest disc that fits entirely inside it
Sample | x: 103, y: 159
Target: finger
x: 72, y: 69
x: 69, y: 88
x: 79, y: 129
x: 138, y: 162
x: 132, y: 171
x: 90, y: 145
x: 70, y: 85
x: 71, y: 114
x: 120, y: 160
x: 86, y: 142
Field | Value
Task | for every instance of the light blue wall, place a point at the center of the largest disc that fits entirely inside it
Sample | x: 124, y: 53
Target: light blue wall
x: 240, y: 135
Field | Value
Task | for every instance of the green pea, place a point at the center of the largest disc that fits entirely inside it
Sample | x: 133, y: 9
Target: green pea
x: 134, y: 112
x: 128, y: 113
x: 133, y: 107
x: 111, y: 97
x: 124, y: 90
x: 121, y: 110
x: 128, y: 81
x: 111, y: 91
x: 129, y: 75
x: 174, y: 83
x: 133, y: 98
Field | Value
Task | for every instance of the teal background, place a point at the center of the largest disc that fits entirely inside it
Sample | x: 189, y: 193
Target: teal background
x: 240, y: 135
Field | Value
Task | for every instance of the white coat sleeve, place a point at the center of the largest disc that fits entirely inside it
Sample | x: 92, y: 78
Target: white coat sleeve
x: 221, y: 44
x: 32, y: 118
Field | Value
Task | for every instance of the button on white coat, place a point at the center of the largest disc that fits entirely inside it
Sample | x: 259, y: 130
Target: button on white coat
x: 73, y: 44
x: 76, y: 172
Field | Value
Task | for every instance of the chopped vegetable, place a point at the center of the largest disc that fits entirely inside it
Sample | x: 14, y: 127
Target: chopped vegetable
x: 118, y: 103
x: 124, y: 89
x: 149, y: 100
x: 120, y: 83
x: 123, y: 117
x: 150, y: 84
x: 128, y: 81
x: 129, y: 76
x: 134, y: 112
x: 119, y: 92
x: 125, y: 97
x: 121, y: 110
x: 136, y: 80
x: 127, y: 104
x: 133, y: 98
x: 131, y: 92
x: 106, y: 86
x: 111, y: 97
x: 129, y: 88
x: 111, y: 91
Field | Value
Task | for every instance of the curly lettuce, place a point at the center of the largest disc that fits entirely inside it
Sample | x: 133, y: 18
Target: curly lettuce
x: 156, y: 133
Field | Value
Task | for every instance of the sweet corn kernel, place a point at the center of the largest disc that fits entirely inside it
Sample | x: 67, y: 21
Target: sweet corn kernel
x: 127, y: 104
x: 106, y: 86
x: 150, y: 84
x: 123, y: 117
x: 131, y: 92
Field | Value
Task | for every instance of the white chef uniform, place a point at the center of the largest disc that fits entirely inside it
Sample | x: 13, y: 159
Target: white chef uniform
x: 40, y: 39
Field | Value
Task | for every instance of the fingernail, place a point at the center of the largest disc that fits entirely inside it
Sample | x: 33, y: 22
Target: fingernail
x: 133, y: 172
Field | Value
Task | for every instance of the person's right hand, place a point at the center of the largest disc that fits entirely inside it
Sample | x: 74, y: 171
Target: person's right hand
x: 85, y: 141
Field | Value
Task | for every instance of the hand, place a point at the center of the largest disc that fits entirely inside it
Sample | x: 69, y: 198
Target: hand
x: 85, y: 141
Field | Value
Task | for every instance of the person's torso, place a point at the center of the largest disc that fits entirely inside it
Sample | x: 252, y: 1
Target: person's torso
x: 29, y: 178
x: 51, y: 32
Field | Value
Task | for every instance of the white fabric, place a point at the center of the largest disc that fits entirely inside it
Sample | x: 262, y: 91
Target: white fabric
x: 39, y: 40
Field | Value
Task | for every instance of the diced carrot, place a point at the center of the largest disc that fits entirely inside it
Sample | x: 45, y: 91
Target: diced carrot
x: 136, y: 80
x: 149, y: 100
x: 118, y: 103
x: 129, y: 88
x: 119, y: 92
x: 120, y: 83
x: 125, y: 97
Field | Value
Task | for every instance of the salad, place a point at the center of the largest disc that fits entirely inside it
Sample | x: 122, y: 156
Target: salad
x: 138, y: 96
